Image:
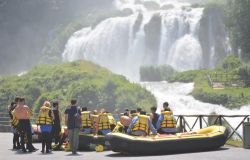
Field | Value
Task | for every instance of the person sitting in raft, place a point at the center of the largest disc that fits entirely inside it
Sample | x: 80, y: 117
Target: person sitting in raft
x: 138, y: 110
x: 86, y: 121
x: 123, y: 123
x: 133, y: 113
x: 165, y: 106
x: 141, y: 125
x: 103, y: 126
x: 94, y: 118
x: 154, y: 116
x: 166, y: 122
x: 126, y: 113
x: 112, y: 121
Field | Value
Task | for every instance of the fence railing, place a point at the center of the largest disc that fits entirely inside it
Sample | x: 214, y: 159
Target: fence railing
x: 227, y: 80
x: 183, y: 122
x: 207, y: 120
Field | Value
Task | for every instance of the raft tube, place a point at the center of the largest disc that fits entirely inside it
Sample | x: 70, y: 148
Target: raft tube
x: 86, y: 140
x: 209, y: 138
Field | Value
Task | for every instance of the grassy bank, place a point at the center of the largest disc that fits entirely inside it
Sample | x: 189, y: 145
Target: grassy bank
x: 229, y: 96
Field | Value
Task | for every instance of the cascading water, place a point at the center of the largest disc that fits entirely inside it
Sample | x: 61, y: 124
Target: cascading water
x: 165, y: 34
x: 182, y: 103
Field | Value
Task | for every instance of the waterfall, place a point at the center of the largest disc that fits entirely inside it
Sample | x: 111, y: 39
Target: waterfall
x: 157, y: 32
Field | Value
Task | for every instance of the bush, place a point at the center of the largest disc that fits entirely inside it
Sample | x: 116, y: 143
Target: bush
x: 244, y: 73
x: 187, y: 76
x: 230, y: 63
x: 159, y: 73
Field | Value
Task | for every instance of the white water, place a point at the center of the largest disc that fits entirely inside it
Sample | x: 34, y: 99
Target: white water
x: 182, y: 103
x: 114, y: 43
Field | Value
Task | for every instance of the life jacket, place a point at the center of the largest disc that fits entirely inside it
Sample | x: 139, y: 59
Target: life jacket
x: 112, y: 120
x: 168, y: 120
x: 134, y: 115
x: 14, y: 120
x: 86, y: 119
x: 141, y: 124
x: 43, y: 117
x: 103, y: 121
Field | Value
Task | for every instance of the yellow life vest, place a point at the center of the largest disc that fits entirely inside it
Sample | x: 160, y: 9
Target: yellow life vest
x: 103, y: 121
x: 14, y: 120
x: 168, y: 120
x: 141, y: 124
x: 112, y: 120
x: 43, y: 117
x: 86, y: 119
x: 134, y: 115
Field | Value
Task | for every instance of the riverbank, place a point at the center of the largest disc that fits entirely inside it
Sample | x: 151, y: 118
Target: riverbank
x: 228, y: 96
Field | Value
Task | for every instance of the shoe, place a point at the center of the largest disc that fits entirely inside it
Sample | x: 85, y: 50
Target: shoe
x: 24, y: 150
x: 14, y: 147
x: 30, y: 150
x: 42, y: 151
x: 47, y: 151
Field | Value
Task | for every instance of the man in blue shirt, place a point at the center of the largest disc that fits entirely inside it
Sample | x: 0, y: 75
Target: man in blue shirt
x: 73, y: 130
x: 140, y: 125
x: 154, y: 116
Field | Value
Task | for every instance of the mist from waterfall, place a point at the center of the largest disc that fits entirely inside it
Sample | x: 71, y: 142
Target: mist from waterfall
x: 167, y: 34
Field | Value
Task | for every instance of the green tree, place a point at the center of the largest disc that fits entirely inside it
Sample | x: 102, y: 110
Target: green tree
x: 244, y: 73
x: 239, y: 26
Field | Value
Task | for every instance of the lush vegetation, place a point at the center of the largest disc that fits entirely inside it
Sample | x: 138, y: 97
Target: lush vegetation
x: 229, y: 96
x: 156, y: 73
x: 238, y: 22
x: 93, y: 86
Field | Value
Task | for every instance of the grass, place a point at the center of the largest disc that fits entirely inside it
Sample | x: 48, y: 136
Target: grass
x: 235, y: 143
x: 230, y: 97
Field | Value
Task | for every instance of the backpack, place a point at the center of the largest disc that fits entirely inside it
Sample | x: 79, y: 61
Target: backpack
x: 77, y: 119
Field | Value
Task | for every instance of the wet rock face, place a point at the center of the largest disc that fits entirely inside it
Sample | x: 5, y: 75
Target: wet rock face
x: 152, y: 38
x: 213, y: 37
x: 137, y: 24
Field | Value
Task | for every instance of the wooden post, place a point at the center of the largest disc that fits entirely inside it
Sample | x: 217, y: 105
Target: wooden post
x: 181, y: 123
x: 200, y: 119
x: 220, y: 121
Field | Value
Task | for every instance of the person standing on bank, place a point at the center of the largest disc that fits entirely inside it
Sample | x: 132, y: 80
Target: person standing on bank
x: 23, y: 114
x: 14, y: 122
x: 45, y: 120
x: 56, y: 128
x: 73, y: 121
